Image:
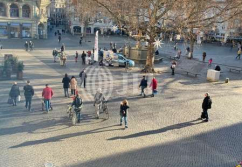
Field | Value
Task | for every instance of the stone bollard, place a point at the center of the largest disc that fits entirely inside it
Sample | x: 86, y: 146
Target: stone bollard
x: 227, y: 80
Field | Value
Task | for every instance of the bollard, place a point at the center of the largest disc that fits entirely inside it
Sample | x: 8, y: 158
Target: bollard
x: 227, y: 80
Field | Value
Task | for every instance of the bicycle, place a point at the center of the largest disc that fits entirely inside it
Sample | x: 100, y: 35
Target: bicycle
x: 72, y: 114
x: 104, y: 108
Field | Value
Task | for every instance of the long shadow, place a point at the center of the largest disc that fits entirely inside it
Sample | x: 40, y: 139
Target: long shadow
x: 66, y: 136
x: 162, y: 130
x: 218, y: 148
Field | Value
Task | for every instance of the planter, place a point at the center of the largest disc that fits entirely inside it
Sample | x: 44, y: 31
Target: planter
x: 20, y: 75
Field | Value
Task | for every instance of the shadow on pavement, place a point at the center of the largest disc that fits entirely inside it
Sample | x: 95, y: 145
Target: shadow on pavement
x: 162, y: 130
x: 218, y: 148
x: 66, y: 136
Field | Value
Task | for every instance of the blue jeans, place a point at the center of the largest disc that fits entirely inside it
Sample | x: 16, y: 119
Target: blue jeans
x: 125, y: 120
x: 47, y: 105
x: 78, y: 115
x: 28, y: 102
x: 66, y: 92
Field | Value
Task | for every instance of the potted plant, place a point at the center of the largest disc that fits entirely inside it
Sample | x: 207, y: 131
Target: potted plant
x: 20, y: 68
x: 7, y: 68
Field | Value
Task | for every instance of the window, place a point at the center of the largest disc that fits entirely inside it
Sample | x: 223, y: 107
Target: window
x: 2, y: 9
x: 14, y: 11
x: 26, y: 11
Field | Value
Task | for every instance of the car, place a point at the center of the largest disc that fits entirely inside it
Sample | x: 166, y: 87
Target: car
x: 122, y: 61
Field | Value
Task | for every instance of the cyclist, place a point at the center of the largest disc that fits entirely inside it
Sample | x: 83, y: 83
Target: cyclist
x: 77, y: 102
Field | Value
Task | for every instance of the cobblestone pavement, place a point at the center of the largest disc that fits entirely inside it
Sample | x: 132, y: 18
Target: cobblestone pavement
x: 163, y: 131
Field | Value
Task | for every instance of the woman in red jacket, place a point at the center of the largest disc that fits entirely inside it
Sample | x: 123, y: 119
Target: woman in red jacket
x: 47, y: 95
x: 153, y: 85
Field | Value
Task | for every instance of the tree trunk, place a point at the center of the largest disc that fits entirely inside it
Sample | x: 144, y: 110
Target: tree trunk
x: 149, y: 66
x: 192, y: 42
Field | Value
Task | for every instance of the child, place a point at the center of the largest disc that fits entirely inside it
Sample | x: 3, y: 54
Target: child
x: 210, y: 62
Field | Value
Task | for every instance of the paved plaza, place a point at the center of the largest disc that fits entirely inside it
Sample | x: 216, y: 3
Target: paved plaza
x: 163, y: 131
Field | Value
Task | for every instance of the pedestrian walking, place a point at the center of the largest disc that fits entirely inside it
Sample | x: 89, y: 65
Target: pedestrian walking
x: 187, y: 50
x: 59, y: 38
x: 31, y: 45
x: 76, y: 57
x: 173, y: 67
x: 26, y: 45
x: 28, y: 94
x: 66, y: 84
x: 63, y: 48
x: 210, y: 61
x: 80, y: 40
x: 176, y: 46
x: 143, y: 85
x: 204, y: 56
x: 178, y: 55
x: 207, y: 104
x: 15, y: 93
x: 98, y: 99
x: 124, y: 106
x: 84, y: 58
x: 73, y: 84
x: 153, y: 86
x: 47, y: 94
x: 77, y: 103
x: 54, y: 53
x: 83, y: 77
x: 239, y: 53
x: 239, y: 46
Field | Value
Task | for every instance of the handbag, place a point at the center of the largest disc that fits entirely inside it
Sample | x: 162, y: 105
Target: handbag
x: 19, y: 98
x: 10, y: 100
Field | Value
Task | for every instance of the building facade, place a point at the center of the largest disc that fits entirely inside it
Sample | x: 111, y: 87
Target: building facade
x: 57, y: 14
x: 76, y: 26
x: 23, y: 19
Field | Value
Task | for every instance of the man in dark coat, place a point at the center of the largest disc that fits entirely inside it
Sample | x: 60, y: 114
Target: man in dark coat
x: 66, y: 83
x: 207, y: 102
x: 83, y: 57
x: 14, y: 93
x: 28, y: 94
x: 83, y: 77
x: 143, y: 84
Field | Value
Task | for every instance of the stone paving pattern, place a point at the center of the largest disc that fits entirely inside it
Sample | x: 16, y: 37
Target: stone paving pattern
x: 163, y: 131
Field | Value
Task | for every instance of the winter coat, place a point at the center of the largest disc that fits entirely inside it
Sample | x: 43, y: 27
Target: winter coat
x: 123, y: 110
x: 83, y: 75
x: 47, y: 93
x: 73, y: 83
x: 98, y: 98
x: 28, y: 91
x: 154, y: 84
x: 143, y: 83
x: 205, y: 103
x: 66, y: 82
x: 14, y: 92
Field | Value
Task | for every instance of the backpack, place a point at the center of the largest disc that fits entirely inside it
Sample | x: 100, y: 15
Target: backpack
x: 209, y: 103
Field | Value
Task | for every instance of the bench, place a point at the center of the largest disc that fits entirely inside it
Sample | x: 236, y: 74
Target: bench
x: 195, y: 74
x: 234, y: 69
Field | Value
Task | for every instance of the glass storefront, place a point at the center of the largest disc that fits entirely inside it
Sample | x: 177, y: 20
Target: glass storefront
x: 3, y: 30
x: 14, y: 30
x: 26, y: 30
